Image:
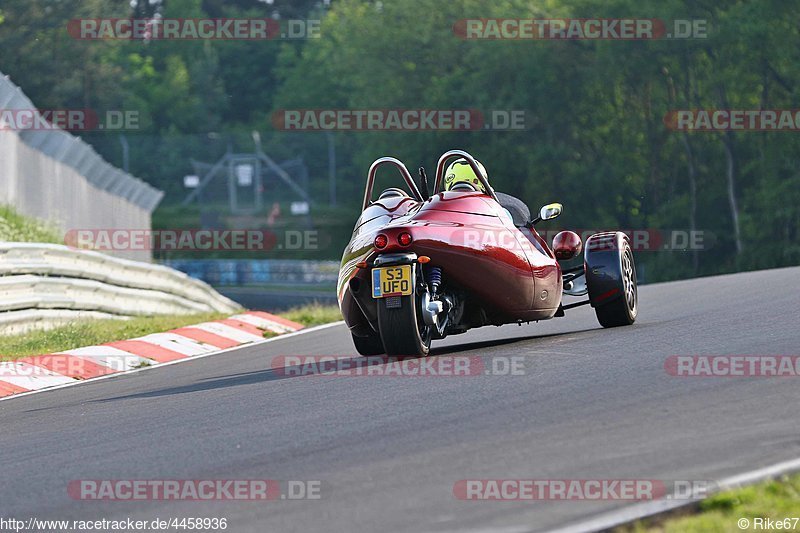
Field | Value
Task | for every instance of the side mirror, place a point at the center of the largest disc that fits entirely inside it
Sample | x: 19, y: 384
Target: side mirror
x: 550, y: 211
x: 547, y: 212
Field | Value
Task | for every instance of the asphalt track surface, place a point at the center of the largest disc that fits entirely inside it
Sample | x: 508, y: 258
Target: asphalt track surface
x: 592, y: 403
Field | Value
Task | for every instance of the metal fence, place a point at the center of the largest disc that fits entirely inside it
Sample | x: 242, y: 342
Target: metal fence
x: 53, y: 175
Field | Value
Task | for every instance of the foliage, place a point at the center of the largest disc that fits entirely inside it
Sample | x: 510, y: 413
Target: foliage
x: 594, y: 136
x: 17, y: 228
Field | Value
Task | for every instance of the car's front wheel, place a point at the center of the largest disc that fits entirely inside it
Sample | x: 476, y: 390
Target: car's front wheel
x: 622, y: 311
x: 611, y: 279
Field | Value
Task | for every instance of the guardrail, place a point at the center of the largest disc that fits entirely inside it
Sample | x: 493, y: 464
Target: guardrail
x: 42, y: 285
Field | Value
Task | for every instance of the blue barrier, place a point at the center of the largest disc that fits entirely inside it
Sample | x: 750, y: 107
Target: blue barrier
x: 234, y: 272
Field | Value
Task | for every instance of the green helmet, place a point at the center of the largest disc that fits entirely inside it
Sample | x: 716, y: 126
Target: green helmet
x: 460, y: 171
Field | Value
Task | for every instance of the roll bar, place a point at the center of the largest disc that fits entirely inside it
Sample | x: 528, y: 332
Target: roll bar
x: 440, y: 166
x: 373, y: 169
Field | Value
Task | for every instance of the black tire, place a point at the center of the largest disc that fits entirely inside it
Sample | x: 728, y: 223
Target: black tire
x: 371, y: 345
x: 622, y: 311
x: 400, y: 328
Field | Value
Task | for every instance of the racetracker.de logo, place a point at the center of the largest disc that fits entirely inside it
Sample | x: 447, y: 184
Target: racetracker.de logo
x: 240, y: 29
x: 377, y: 119
x: 389, y: 366
x: 193, y: 489
x: 621, y: 29
x: 249, y: 240
x: 581, y: 489
x: 82, y: 366
x: 733, y: 366
x: 67, y: 119
x: 559, y: 489
x: 733, y: 120
x: 641, y: 240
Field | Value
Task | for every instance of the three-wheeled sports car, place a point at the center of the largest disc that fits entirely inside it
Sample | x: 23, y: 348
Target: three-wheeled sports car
x: 423, y: 264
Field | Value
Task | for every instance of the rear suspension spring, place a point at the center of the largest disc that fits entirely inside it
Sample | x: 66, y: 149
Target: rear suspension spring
x: 434, y: 278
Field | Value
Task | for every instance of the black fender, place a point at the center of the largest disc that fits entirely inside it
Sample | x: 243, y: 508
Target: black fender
x: 601, y: 261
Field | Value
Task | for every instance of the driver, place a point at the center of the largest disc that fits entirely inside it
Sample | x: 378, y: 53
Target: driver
x: 460, y: 171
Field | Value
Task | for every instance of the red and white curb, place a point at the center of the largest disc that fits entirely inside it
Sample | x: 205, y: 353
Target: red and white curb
x: 70, y: 366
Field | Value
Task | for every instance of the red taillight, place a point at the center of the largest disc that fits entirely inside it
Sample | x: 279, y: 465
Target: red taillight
x: 381, y: 241
x: 404, y: 239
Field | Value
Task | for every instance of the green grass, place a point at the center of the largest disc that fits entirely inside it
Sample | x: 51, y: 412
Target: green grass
x: 18, y: 228
x: 93, y: 332
x: 314, y: 314
x: 776, y: 499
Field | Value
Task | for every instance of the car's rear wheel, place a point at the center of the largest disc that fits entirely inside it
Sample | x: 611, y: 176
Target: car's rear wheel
x: 403, y: 331
x: 370, y: 345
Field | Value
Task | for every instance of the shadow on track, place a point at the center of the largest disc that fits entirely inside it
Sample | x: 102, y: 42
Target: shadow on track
x: 315, y: 368
x: 479, y: 345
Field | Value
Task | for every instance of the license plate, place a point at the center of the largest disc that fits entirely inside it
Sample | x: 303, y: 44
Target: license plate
x: 391, y: 281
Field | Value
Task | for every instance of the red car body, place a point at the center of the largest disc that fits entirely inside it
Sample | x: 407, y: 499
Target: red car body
x: 422, y: 266
x: 513, y: 275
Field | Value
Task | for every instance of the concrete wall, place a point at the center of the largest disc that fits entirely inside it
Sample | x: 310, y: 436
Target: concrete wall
x: 53, y: 175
